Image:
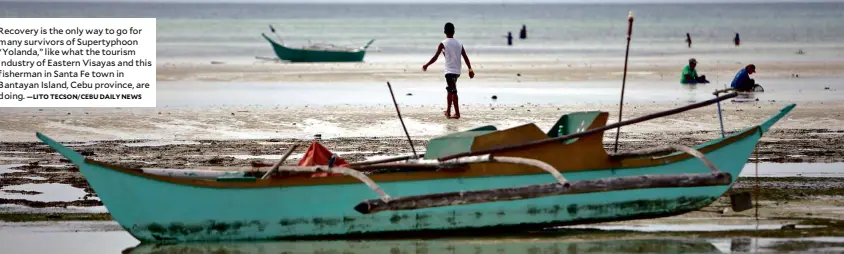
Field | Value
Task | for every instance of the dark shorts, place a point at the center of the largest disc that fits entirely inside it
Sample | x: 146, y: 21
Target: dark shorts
x: 746, y: 86
x: 451, y: 83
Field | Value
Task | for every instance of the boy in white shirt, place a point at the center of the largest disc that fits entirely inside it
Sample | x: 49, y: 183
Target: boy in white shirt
x: 452, y: 50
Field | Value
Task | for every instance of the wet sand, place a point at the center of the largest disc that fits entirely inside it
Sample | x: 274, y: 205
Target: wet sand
x: 524, y: 68
x: 244, y: 126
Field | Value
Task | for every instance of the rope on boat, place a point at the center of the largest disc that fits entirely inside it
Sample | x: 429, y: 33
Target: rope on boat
x: 344, y: 171
x: 662, y: 150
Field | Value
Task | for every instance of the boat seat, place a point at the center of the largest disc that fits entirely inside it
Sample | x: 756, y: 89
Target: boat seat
x: 455, y: 143
x: 573, y: 123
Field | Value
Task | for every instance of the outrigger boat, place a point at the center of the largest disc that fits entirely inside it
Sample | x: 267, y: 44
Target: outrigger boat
x: 479, y: 179
x: 317, y: 52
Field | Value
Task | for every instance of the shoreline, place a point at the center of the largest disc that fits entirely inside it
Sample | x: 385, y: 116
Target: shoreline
x: 540, y: 69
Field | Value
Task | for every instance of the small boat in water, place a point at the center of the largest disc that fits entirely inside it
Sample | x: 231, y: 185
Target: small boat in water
x: 319, y: 52
x: 478, y: 180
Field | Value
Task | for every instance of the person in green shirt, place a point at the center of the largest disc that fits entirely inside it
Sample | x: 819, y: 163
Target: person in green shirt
x: 690, y: 74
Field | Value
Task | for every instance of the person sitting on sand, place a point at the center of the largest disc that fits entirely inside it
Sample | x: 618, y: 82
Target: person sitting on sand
x: 452, y: 50
x: 690, y: 74
x: 742, y: 81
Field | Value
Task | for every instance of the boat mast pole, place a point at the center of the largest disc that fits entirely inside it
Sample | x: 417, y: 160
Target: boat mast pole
x: 402, y: 121
x: 624, y: 78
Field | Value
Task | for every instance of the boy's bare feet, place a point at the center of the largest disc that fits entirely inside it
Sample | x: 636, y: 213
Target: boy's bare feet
x: 456, y: 116
x: 447, y: 114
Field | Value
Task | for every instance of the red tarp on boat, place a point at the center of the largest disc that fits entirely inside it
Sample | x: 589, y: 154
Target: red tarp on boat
x: 318, y: 155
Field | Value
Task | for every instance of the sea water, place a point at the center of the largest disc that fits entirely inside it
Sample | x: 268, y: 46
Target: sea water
x: 232, y: 32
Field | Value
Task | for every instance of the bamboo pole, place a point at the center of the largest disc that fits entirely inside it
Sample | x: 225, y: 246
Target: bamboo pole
x: 624, y: 78
x: 589, y: 132
x: 402, y: 121
x: 543, y: 190
x: 278, y: 164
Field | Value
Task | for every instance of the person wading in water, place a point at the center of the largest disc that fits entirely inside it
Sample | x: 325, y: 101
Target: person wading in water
x: 452, y: 50
x: 689, y: 39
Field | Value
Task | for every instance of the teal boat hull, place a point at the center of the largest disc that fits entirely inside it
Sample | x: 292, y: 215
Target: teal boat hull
x: 308, y: 55
x: 159, y: 211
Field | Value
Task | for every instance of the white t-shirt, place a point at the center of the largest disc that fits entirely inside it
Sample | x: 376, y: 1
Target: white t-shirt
x: 453, y: 51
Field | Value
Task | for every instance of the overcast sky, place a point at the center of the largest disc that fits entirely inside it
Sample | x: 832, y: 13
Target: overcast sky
x: 436, y: 1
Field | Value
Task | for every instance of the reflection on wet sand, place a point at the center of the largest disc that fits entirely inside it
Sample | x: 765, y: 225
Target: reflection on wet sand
x: 438, y: 246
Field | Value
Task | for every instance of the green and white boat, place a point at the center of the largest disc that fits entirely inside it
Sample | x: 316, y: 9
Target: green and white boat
x: 318, y: 52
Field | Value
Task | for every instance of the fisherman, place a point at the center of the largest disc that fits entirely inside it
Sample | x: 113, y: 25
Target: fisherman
x: 736, y: 40
x: 523, y: 33
x: 690, y: 74
x: 742, y: 81
x: 689, y: 39
x: 452, y: 50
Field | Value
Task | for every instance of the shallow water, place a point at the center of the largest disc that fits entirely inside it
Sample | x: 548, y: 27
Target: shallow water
x: 769, y: 169
x: 50, y: 192
x: 216, y: 94
x: 8, y: 168
x: 685, y: 227
x: 108, y: 237
x: 162, y: 143
x: 232, y: 32
x: 9, y: 208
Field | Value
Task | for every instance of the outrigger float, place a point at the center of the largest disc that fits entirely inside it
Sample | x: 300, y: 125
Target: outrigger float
x: 480, y: 179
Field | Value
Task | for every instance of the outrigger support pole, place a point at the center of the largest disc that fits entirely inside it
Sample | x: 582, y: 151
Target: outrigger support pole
x: 560, y: 187
x: 720, y: 119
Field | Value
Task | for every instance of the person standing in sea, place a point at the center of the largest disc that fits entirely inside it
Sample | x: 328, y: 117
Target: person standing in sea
x: 452, y: 50
x: 689, y: 39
